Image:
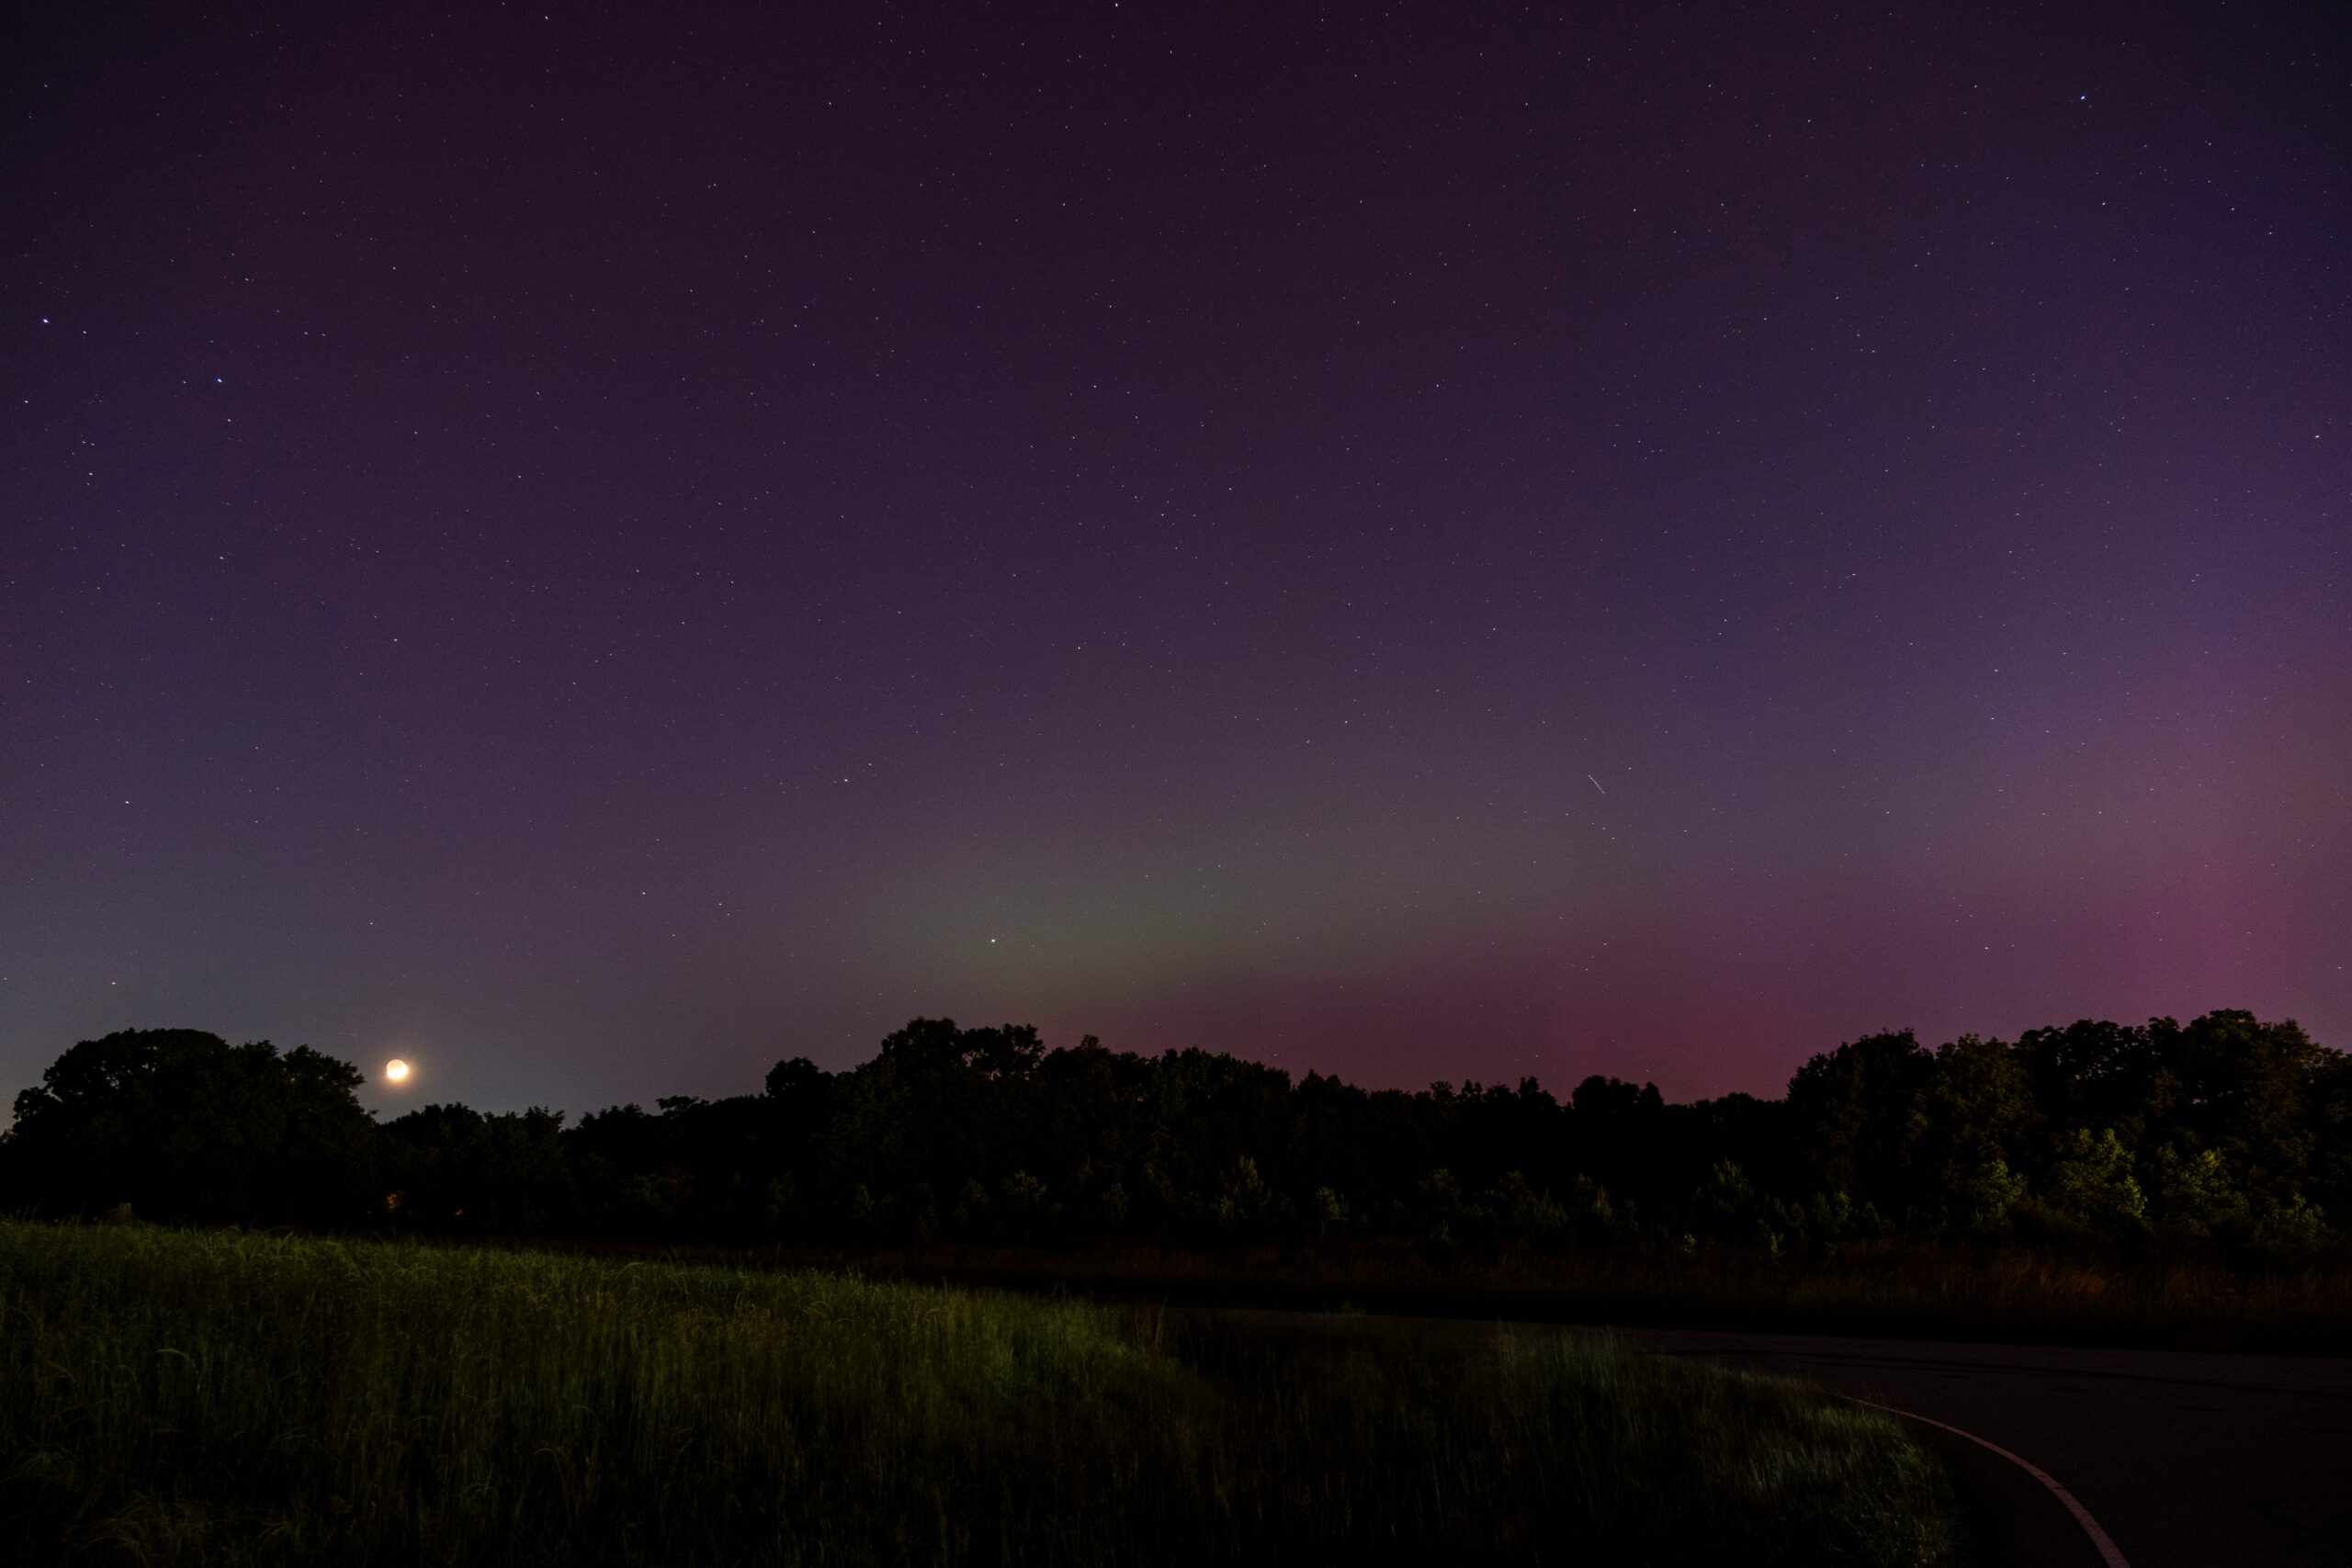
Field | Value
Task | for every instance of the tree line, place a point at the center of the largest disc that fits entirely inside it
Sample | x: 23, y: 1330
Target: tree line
x: 2225, y: 1132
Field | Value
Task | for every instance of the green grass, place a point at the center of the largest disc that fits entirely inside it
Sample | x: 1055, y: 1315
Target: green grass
x: 171, y: 1396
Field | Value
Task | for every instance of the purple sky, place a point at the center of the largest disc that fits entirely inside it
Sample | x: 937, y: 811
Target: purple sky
x: 596, y: 550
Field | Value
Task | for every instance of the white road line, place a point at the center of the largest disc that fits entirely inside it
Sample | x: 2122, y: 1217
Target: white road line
x: 2082, y: 1516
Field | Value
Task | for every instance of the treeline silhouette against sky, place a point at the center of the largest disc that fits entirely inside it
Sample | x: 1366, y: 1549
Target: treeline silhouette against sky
x: 2226, y: 1132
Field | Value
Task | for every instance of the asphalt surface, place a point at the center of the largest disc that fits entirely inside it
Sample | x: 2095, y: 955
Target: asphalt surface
x: 2187, y: 1458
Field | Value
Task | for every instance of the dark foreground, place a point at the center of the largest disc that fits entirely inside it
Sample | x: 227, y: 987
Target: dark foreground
x: 183, y: 1397
x: 1917, y: 1289
x: 2187, y: 1458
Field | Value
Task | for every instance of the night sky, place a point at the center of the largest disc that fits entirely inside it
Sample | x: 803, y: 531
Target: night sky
x: 594, y: 550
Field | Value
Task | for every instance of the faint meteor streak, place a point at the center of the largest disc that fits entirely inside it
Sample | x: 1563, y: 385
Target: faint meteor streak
x: 1596, y: 784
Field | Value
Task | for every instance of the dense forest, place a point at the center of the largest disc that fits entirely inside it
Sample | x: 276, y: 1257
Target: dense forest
x: 2225, y: 1132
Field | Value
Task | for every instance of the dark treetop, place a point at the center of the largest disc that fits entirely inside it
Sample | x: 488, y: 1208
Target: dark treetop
x: 2226, y: 1132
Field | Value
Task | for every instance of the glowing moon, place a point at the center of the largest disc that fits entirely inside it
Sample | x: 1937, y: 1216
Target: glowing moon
x: 395, y: 1069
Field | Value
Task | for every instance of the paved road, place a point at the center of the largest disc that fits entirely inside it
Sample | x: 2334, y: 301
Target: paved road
x: 2186, y: 1459
x: 2189, y: 1459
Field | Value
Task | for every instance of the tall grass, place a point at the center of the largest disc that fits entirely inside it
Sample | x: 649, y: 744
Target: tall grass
x: 176, y: 1397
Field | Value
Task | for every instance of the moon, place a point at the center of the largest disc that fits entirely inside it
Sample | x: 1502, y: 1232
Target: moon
x: 395, y: 1070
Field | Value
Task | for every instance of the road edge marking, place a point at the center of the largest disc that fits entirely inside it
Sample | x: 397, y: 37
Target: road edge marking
x: 2099, y: 1538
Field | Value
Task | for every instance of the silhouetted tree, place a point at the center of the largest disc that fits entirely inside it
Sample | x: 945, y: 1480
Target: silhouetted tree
x: 180, y: 1124
x: 1858, y: 1113
x: 455, y: 1168
x: 2224, y: 1131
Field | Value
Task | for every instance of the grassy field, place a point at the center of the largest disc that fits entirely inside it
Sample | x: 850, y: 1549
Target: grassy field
x: 171, y: 1396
